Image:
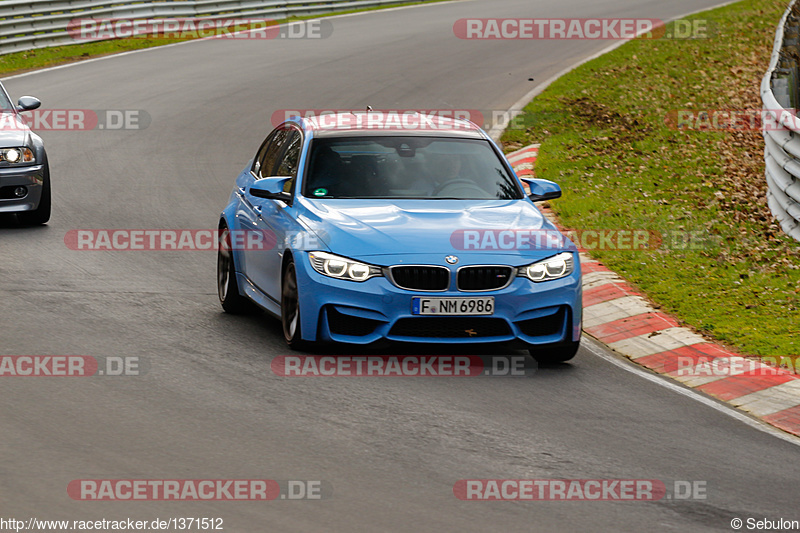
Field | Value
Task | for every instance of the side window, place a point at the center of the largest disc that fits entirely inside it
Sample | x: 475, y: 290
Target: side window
x: 260, y: 154
x: 288, y: 166
x: 268, y: 155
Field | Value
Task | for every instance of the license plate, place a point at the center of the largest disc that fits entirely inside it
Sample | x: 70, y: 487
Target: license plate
x: 452, y: 306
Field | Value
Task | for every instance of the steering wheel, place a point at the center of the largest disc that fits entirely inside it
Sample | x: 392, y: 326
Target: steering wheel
x: 458, y: 184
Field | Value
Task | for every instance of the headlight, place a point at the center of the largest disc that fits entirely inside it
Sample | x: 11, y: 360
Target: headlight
x: 338, y: 267
x: 17, y: 156
x: 548, y: 269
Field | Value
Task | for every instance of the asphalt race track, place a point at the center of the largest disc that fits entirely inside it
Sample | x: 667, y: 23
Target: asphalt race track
x: 209, y: 406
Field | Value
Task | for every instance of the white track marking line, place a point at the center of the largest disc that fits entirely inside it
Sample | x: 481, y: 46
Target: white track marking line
x: 605, y: 312
x: 770, y: 400
x: 593, y: 280
x: 656, y: 342
x: 591, y: 346
x: 717, y: 369
x: 120, y: 54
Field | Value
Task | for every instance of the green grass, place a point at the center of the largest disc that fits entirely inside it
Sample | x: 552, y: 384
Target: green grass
x: 57, y: 55
x: 607, y: 141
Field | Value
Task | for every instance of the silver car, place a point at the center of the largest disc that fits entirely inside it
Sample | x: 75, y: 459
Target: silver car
x: 24, y: 172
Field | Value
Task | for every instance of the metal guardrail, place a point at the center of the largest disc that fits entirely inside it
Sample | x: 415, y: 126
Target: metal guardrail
x: 781, y: 126
x: 30, y: 24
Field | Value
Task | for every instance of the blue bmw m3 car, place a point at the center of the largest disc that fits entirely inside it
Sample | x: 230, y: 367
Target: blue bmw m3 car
x: 365, y: 227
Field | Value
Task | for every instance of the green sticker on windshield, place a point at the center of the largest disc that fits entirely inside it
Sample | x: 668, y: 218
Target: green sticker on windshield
x: 320, y: 192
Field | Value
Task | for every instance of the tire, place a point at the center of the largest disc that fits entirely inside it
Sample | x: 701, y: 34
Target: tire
x: 558, y: 354
x: 227, y: 287
x: 290, y: 308
x: 41, y: 214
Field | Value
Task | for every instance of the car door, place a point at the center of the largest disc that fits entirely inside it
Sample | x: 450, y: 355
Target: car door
x: 272, y: 221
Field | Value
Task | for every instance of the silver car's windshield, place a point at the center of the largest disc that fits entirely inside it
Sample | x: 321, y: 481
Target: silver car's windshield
x: 407, y: 167
x: 5, y: 104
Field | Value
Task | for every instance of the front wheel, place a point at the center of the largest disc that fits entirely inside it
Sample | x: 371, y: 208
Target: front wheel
x: 227, y: 287
x: 290, y: 308
x: 558, y: 354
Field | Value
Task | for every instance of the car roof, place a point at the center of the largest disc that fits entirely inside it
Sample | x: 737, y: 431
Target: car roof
x: 383, y: 123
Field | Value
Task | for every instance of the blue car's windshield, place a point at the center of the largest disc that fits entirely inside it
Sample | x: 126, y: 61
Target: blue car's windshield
x: 407, y: 167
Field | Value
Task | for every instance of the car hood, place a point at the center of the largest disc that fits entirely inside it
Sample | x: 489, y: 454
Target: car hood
x: 365, y: 228
x: 13, y: 131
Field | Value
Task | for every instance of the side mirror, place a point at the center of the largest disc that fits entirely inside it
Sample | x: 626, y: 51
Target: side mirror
x: 271, y: 188
x: 542, y: 189
x: 28, y: 103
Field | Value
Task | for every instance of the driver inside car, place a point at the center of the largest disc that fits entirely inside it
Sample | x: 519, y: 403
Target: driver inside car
x: 448, y: 168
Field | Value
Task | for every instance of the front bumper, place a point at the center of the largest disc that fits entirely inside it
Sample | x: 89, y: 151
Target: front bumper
x: 538, y: 314
x: 30, y: 177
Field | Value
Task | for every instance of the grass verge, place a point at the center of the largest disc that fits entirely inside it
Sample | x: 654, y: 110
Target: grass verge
x: 17, y: 62
x: 610, y: 137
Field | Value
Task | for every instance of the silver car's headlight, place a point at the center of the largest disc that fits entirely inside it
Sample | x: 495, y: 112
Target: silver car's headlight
x: 338, y: 267
x: 548, y: 269
x: 17, y: 156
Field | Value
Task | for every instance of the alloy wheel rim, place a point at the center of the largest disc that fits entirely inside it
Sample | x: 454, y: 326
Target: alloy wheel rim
x: 289, y: 304
x: 223, y: 265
